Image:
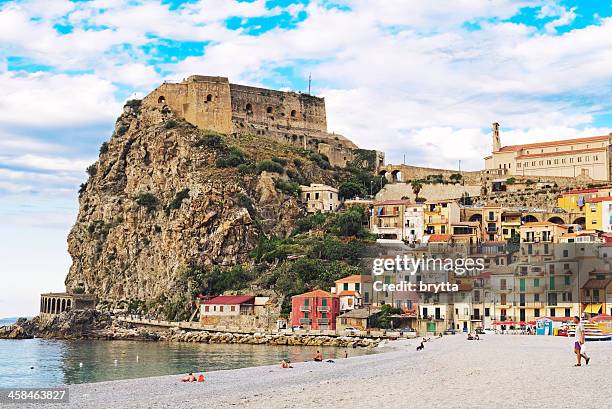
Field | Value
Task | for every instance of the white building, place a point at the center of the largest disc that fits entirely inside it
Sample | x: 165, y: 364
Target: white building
x: 228, y: 306
x: 414, y: 223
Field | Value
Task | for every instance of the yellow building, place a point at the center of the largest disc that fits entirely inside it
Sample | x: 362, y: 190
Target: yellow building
x: 542, y: 232
x: 598, y: 213
x: 510, y: 224
x: 589, y: 157
x: 439, y: 215
x: 574, y: 201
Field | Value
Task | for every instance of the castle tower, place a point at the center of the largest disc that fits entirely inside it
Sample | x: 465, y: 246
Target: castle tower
x: 496, y: 140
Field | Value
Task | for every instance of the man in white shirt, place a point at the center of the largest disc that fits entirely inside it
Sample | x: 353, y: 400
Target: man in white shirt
x: 579, y: 345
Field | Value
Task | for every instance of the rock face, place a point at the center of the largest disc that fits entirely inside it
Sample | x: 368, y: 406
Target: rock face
x: 157, y: 201
x: 75, y: 324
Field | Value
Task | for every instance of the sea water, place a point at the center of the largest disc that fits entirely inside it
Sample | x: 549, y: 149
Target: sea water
x: 44, y: 363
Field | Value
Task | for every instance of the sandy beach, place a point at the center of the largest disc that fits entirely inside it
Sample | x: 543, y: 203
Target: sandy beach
x: 498, y: 371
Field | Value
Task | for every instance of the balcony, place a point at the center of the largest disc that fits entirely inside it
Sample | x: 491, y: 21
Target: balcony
x: 305, y: 321
x: 475, y: 317
x: 323, y: 309
x: 323, y: 321
x: 304, y: 308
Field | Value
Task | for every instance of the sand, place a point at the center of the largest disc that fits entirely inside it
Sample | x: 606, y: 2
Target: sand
x: 509, y: 371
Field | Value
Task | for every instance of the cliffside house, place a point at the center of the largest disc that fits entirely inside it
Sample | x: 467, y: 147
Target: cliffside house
x: 228, y: 305
x: 56, y: 303
x: 320, y: 198
x: 389, y: 218
x: 316, y: 309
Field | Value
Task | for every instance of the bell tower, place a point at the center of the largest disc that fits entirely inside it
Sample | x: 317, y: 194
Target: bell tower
x: 495, y: 135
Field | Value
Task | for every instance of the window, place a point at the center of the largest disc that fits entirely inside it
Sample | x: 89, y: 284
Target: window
x: 161, y: 100
x: 358, y: 286
x: 536, y: 297
x: 536, y: 282
x: 487, y: 312
x: 269, y: 110
x: 552, y: 312
x: 552, y: 283
x: 209, y: 98
x: 249, y: 108
x: 206, y: 308
x: 567, y: 312
x: 522, y: 284
x: 536, y: 312
x: 345, y: 285
x: 220, y: 308
x: 233, y: 308
x: 293, y: 113
x: 567, y: 280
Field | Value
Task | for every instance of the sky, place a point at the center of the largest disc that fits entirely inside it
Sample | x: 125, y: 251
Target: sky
x: 418, y: 79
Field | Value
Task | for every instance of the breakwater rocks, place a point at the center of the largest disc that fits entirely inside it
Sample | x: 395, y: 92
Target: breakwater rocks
x: 273, y: 339
x: 210, y: 337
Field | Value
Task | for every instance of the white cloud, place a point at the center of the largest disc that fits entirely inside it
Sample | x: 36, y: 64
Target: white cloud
x: 47, y: 163
x: 49, y: 100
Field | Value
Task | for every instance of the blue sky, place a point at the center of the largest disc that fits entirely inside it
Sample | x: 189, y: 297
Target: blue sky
x: 418, y: 78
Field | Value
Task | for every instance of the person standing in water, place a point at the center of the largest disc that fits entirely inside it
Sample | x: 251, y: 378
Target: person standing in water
x: 579, y: 344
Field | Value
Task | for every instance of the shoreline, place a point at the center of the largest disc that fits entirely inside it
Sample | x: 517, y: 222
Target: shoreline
x: 500, y: 370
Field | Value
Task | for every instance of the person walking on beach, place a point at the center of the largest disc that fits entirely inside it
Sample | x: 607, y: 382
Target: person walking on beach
x: 579, y: 345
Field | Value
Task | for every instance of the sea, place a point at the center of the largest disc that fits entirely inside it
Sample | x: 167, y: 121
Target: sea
x: 47, y: 363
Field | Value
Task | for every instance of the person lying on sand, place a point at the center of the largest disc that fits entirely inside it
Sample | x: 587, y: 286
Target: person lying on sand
x: 285, y: 364
x: 201, y: 378
x: 318, y: 357
x: 189, y: 378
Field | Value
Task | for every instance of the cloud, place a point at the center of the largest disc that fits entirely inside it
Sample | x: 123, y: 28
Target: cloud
x: 52, y: 100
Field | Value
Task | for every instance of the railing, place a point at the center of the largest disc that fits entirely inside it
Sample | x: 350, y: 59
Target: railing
x: 304, y: 320
x: 475, y: 317
x: 323, y: 321
x: 304, y: 308
x: 323, y: 309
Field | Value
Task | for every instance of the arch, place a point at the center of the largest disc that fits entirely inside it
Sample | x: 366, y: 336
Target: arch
x: 63, y: 307
x: 249, y: 108
x: 580, y: 220
x: 209, y: 98
x: 530, y: 219
x: 161, y: 99
x: 396, y: 176
x: 476, y: 218
x: 53, y: 306
x: 556, y: 220
x: 269, y: 110
x: 68, y: 305
x: 293, y: 113
x: 45, y: 305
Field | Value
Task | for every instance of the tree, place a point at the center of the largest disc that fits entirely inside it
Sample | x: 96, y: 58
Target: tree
x: 456, y: 177
x: 350, y: 189
x: 417, y: 185
x: 350, y: 223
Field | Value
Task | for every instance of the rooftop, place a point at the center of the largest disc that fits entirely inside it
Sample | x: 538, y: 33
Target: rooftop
x: 315, y: 293
x: 355, y: 278
x: 515, y: 148
x: 231, y: 300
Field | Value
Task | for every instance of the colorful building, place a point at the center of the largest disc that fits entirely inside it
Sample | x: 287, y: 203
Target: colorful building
x: 315, y: 310
x: 439, y: 215
x: 542, y: 232
x: 573, y: 201
x: 510, y: 224
x: 354, y: 291
x: 598, y: 213
x: 389, y: 218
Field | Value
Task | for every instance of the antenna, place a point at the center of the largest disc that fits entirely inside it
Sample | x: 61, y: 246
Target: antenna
x: 309, y: 82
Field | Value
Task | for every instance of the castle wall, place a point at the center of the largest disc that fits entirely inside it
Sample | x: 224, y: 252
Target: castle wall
x: 203, y: 101
x: 278, y: 109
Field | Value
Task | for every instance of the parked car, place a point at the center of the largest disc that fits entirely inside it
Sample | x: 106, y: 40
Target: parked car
x: 406, y: 329
x: 351, y: 330
x: 297, y: 328
x: 450, y: 331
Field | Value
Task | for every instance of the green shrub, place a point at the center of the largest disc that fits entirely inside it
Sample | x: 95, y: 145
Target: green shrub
x: 92, y: 170
x: 350, y: 189
x: 233, y: 158
x: 123, y: 128
x: 321, y: 160
x: 147, y: 200
x: 281, y: 161
x: 287, y: 186
x: 103, y: 148
x: 171, y: 123
x: 511, y: 181
x: 82, y: 188
x: 134, y: 104
x: 270, y: 166
x: 298, y: 162
x: 247, y: 168
x: 211, y: 140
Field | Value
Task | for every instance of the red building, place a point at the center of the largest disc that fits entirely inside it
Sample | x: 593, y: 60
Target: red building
x: 316, y: 309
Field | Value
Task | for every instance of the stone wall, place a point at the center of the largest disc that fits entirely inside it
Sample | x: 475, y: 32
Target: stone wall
x: 430, y: 192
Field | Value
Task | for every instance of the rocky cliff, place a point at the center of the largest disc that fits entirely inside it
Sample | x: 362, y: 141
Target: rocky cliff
x: 165, y: 195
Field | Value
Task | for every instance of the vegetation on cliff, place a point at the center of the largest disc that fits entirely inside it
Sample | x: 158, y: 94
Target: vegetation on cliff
x: 170, y: 211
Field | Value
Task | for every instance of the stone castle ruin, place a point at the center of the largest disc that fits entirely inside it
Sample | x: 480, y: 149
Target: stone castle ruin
x: 214, y: 104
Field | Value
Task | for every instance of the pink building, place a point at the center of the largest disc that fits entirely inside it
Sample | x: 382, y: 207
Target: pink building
x: 316, y: 309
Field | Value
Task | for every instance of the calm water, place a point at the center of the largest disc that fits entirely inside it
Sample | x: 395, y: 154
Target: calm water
x: 56, y: 362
